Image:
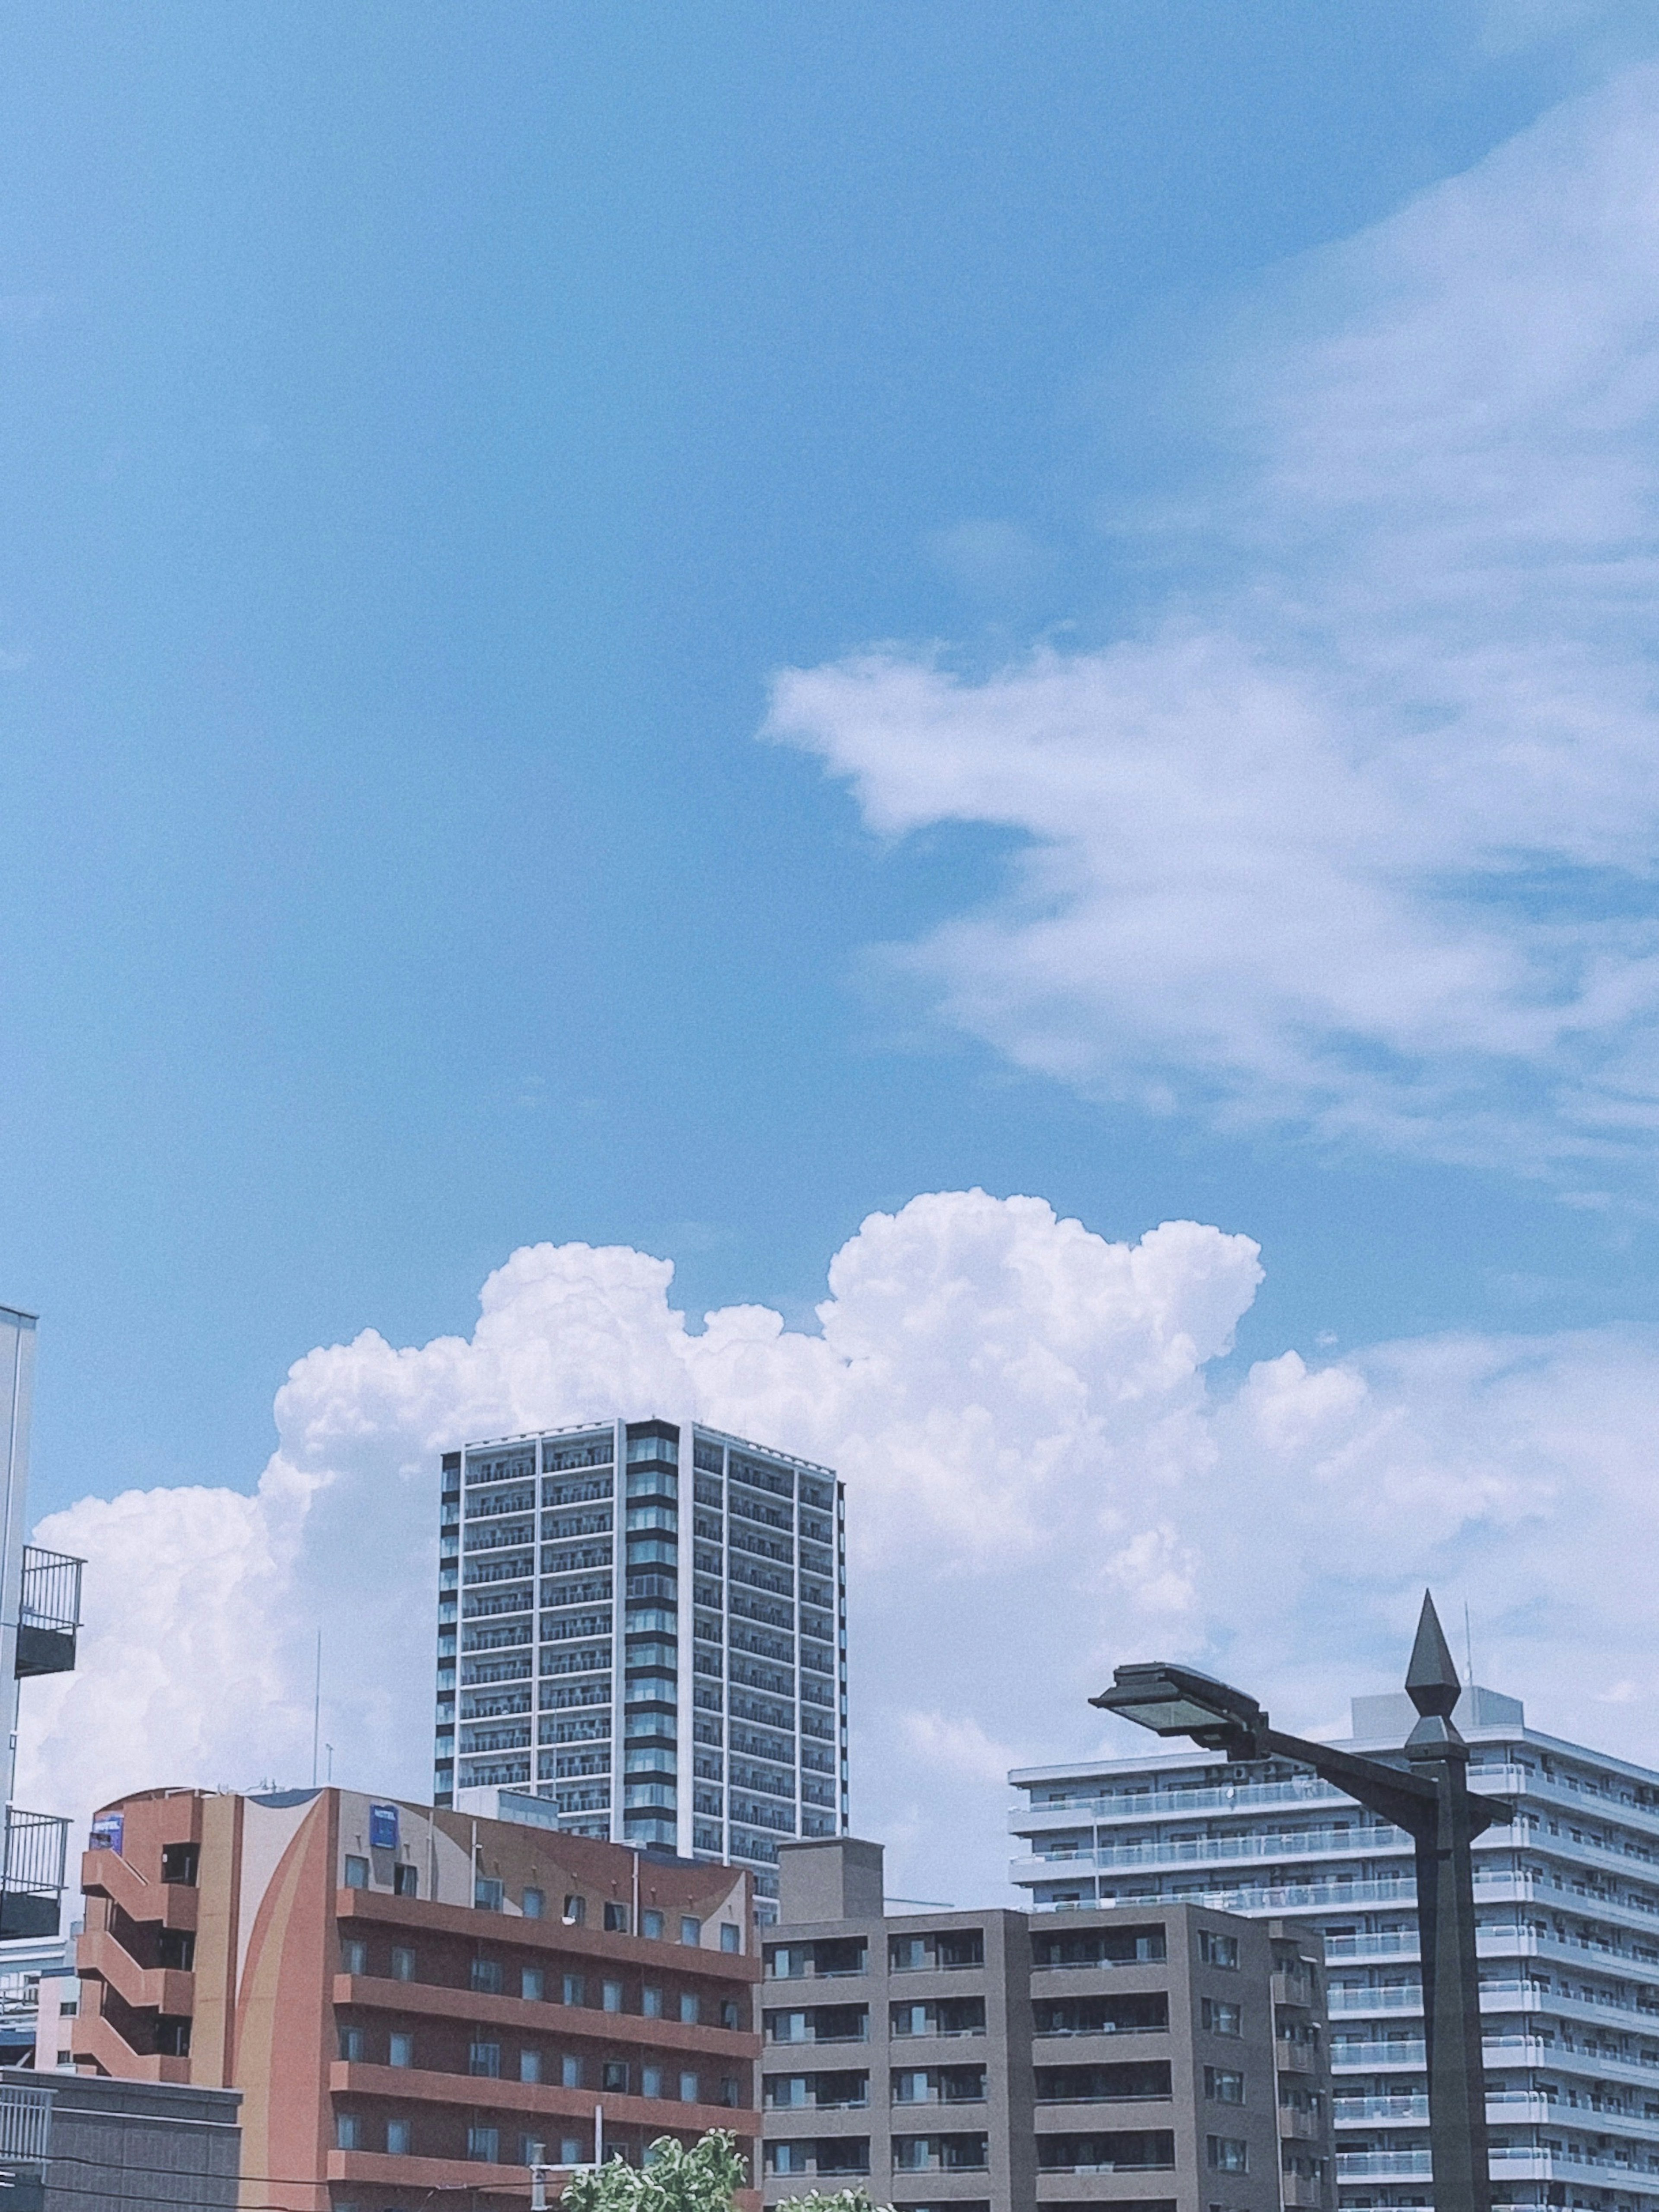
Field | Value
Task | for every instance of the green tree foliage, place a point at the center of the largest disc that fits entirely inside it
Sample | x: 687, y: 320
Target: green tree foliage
x: 844, y: 2200
x: 705, y: 2179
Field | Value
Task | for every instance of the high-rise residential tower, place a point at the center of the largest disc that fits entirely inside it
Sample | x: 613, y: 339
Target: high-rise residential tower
x: 645, y: 1626
x: 1567, y: 1905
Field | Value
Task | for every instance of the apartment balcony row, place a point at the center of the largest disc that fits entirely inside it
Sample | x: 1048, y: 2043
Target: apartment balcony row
x: 366, y: 2091
x: 1504, y: 2108
x: 1509, y: 2162
x: 1353, y: 1843
x: 1383, y: 2055
x: 1181, y: 1804
x: 1495, y: 1940
x: 1503, y: 1997
x: 1492, y: 1885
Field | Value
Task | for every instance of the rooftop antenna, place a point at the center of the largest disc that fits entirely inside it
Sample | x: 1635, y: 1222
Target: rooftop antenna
x: 1468, y: 1644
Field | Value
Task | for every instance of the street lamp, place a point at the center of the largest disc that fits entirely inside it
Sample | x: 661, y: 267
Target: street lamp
x: 1429, y: 1797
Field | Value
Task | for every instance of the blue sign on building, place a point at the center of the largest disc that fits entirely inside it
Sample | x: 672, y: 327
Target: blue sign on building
x: 383, y: 1827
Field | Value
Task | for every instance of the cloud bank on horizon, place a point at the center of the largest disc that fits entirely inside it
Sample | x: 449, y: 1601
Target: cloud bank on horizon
x: 1358, y: 833
x: 1050, y: 1469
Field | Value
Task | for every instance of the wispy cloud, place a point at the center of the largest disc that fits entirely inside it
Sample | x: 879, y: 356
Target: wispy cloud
x: 1361, y: 831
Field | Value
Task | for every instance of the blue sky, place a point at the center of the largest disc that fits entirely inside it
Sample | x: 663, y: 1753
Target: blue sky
x: 1212, y: 784
x: 424, y: 435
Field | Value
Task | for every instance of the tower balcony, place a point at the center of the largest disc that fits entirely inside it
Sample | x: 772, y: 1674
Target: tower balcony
x: 49, y: 1614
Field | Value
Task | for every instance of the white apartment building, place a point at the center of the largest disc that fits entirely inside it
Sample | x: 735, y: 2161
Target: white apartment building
x: 1568, y: 1906
x: 645, y: 1628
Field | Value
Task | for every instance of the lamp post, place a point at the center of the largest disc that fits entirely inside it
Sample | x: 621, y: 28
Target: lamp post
x: 1428, y: 1796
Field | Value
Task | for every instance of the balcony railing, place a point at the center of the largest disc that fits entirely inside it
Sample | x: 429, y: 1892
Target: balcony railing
x: 50, y: 1612
x: 25, y: 2125
x: 32, y: 1864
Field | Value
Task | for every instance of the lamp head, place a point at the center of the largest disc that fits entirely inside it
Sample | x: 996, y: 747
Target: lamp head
x: 1175, y: 1700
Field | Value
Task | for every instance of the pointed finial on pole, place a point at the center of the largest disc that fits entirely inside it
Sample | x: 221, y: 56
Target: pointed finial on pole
x: 1431, y: 1678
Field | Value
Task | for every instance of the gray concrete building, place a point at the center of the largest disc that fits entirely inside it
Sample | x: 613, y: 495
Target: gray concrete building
x: 1165, y: 2060
x: 81, y: 2143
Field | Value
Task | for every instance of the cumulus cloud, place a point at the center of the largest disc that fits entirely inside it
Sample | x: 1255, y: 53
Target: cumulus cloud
x: 1361, y: 833
x: 1051, y: 1466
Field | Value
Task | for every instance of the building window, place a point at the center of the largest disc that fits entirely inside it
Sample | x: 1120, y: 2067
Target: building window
x: 570, y: 2151
x: 1227, y: 2153
x: 575, y: 1990
x: 651, y: 2082
x: 613, y: 2075
x: 688, y: 2089
x: 730, y: 1937
x: 356, y: 1872
x: 488, y: 1893
x: 612, y: 1995
x: 690, y: 1930
x: 401, y: 2051
x: 399, y: 2138
x: 351, y: 2046
x: 179, y: 1863
x: 402, y: 1963
x: 1217, y: 1950
x: 575, y: 1912
x: 570, y: 2071
x: 348, y: 2131
x: 531, y: 1983
x: 616, y: 1919
x: 406, y: 1880
x: 354, y: 1956
x: 486, y: 1977
x: 728, y: 2088
x: 787, y: 2158
x: 651, y: 2002
x: 728, y: 2012
x: 529, y: 2066
x: 485, y: 2058
x: 1225, y: 2084
x: 534, y: 1903
x: 1221, y: 2018
x: 690, y: 2009
x: 484, y: 2144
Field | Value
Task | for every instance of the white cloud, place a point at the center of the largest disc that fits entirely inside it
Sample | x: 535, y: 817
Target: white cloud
x: 1362, y: 832
x: 1042, y: 1482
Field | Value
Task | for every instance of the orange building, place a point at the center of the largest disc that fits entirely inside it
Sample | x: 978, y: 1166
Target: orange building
x: 409, y: 2000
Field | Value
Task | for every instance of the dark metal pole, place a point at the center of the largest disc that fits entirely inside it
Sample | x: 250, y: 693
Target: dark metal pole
x: 1424, y: 1789
x: 1445, y: 1920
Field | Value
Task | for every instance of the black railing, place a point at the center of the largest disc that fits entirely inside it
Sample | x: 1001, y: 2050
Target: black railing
x: 50, y: 1612
x: 32, y: 1871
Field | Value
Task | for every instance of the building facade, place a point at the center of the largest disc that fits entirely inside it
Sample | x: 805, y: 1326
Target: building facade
x: 646, y: 1627
x: 78, y: 2144
x: 40, y: 1616
x: 1169, y: 2061
x: 411, y: 2001
x: 1567, y: 1901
